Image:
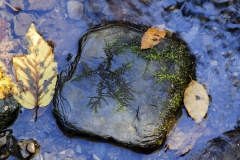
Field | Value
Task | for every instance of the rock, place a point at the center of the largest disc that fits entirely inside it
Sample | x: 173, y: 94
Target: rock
x: 220, y: 1
x: 95, y: 8
x: 40, y: 5
x: 31, y: 147
x: 75, y: 10
x: 112, y: 91
x: 9, y: 110
x: 2, y: 29
x: 26, y: 149
x: 70, y: 153
x: 22, y: 23
x: 2, y: 5
x: 225, y: 146
x: 17, y: 3
x: 4, y: 140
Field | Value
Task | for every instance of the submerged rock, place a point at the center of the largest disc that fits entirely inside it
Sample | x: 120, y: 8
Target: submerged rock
x: 42, y: 5
x: 9, y: 110
x: 75, y: 10
x: 114, y: 91
x: 226, y: 146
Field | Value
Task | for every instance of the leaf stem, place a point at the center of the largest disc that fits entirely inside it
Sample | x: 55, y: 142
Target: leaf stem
x: 15, y: 9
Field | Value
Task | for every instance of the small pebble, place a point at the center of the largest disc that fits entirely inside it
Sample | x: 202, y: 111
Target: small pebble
x: 31, y: 147
x: 75, y: 10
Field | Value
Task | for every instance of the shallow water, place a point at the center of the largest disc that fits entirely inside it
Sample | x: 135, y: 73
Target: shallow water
x: 211, y: 30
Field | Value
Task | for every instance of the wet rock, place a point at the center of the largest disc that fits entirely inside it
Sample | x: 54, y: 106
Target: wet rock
x: 9, y: 110
x: 21, y: 23
x: 95, y: 8
x: 2, y: 5
x: 70, y: 153
x: 31, y: 147
x: 226, y: 146
x: 112, y: 91
x: 27, y: 148
x: 42, y: 5
x: 2, y: 28
x: 4, y: 141
x: 75, y: 10
x: 17, y: 3
x: 220, y: 1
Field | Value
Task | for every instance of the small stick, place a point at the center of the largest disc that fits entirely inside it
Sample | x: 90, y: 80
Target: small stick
x: 15, y: 9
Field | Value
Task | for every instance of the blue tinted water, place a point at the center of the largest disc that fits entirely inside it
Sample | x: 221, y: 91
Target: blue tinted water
x: 210, y: 29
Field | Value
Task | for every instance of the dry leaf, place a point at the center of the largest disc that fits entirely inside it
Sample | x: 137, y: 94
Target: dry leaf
x: 152, y: 37
x: 196, y: 101
x: 183, y: 142
x: 36, y: 74
x: 5, y: 83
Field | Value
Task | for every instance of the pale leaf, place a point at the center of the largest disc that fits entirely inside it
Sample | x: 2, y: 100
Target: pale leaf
x: 184, y: 140
x: 35, y: 72
x: 196, y: 101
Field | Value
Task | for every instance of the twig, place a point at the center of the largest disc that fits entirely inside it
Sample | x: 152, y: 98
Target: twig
x: 15, y: 9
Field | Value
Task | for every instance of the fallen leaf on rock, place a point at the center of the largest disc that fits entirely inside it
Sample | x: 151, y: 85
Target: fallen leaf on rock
x: 183, y: 142
x: 35, y: 72
x: 196, y: 100
x: 152, y: 37
x: 5, y: 83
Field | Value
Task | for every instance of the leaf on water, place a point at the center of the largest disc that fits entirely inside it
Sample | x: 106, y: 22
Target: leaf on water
x: 196, y: 100
x: 184, y: 141
x: 153, y: 36
x: 5, y: 83
x: 35, y: 72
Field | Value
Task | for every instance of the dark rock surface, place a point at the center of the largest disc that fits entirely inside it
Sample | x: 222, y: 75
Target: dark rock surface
x: 120, y: 93
x: 226, y: 146
x: 8, y: 111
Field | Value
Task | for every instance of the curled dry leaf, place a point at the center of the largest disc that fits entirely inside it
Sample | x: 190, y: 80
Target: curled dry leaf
x: 36, y: 73
x: 196, y: 100
x: 152, y: 37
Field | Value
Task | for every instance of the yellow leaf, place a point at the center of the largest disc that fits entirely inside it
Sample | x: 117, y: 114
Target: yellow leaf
x: 152, y: 37
x: 196, y: 101
x: 35, y: 72
x: 5, y: 83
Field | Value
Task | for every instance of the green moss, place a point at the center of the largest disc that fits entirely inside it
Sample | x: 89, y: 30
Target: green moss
x: 173, y: 76
x: 56, y: 112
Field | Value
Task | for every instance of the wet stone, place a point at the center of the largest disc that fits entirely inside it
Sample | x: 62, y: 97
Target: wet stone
x: 40, y: 5
x: 226, y: 146
x: 95, y: 8
x: 9, y: 110
x: 75, y: 10
x: 21, y: 23
x: 114, y: 91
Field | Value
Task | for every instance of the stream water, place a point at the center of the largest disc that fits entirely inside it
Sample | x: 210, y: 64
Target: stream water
x: 211, y: 30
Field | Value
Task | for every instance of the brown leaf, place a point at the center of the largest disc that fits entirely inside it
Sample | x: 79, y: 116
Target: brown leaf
x: 152, y: 37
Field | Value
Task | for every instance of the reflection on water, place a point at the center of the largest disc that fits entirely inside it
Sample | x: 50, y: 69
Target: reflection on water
x: 211, y: 30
